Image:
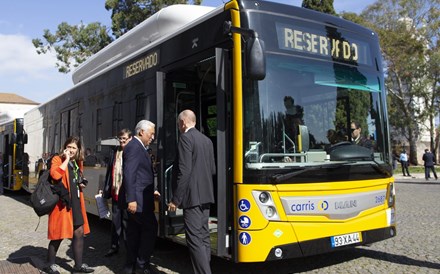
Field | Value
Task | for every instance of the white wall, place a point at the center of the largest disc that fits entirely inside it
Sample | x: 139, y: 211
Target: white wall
x: 34, y: 129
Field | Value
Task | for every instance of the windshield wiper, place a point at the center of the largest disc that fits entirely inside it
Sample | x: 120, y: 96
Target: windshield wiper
x: 278, y: 178
x: 378, y: 167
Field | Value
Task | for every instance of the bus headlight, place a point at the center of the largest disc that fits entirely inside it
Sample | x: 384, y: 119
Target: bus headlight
x: 270, y: 212
x: 264, y: 197
x: 266, y: 205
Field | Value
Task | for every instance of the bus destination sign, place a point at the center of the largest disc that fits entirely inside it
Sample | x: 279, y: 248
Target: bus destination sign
x: 311, y: 41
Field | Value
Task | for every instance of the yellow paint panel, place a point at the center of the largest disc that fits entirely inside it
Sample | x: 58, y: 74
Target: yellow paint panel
x: 262, y: 241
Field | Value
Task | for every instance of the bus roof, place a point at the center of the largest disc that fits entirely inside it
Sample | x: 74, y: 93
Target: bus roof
x: 166, y: 21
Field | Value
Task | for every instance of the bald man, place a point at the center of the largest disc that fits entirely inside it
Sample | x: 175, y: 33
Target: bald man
x: 193, y: 189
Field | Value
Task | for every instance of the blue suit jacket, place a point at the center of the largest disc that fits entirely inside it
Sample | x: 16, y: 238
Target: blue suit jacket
x: 138, y: 177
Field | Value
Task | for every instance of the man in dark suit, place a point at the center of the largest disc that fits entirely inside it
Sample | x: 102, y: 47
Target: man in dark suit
x: 137, y: 197
x: 429, y: 160
x: 193, y: 189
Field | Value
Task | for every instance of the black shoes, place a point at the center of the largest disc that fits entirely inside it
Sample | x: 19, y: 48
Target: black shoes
x: 83, y: 269
x: 112, y: 251
x: 52, y: 269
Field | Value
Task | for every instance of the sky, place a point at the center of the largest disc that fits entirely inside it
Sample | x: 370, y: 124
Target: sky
x: 35, y: 77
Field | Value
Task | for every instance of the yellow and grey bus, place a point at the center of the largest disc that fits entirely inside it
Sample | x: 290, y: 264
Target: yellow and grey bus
x: 14, y: 162
x: 278, y: 89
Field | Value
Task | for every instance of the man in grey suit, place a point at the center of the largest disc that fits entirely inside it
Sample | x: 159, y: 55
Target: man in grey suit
x: 193, y: 189
x: 137, y: 197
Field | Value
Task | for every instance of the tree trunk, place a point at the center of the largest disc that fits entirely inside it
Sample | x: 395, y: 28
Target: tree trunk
x: 412, y: 148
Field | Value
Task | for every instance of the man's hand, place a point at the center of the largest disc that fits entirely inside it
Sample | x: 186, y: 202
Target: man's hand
x: 156, y: 195
x: 132, y: 206
x: 172, y: 207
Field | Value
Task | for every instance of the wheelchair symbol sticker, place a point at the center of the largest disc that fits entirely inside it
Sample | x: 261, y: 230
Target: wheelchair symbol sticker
x: 245, y: 238
x: 244, y: 221
x: 244, y: 205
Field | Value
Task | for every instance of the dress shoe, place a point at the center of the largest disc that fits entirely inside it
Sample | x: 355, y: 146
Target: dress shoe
x: 52, y: 269
x: 83, y: 269
x: 112, y: 251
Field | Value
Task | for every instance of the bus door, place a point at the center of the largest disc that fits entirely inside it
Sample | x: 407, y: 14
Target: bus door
x: 198, y: 86
x: 6, y: 160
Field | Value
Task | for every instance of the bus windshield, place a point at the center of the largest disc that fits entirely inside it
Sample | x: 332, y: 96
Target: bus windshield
x: 311, y: 113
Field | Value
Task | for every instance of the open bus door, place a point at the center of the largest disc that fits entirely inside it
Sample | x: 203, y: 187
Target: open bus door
x: 198, y: 85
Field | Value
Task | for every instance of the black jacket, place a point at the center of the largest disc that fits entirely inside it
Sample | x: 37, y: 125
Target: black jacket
x: 429, y: 159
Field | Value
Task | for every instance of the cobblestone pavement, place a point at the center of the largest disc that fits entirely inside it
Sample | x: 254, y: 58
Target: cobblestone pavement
x: 415, y: 249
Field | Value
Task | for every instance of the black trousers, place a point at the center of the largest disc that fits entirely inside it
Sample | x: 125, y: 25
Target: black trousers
x: 427, y: 171
x: 141, y: 236
x: 405, y: 167
x: 119, y: 225
x: 197, y: 237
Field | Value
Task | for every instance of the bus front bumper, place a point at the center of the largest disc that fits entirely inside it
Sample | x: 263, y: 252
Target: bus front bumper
x: 323, y: 245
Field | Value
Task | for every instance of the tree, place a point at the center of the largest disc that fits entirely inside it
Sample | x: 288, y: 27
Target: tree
x: 325, y: 6
x: 408, y: 31
x: 74, y: 44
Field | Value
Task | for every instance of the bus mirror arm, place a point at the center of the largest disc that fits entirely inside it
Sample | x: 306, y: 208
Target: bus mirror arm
x: 255, y: 58
x: 228, y: 28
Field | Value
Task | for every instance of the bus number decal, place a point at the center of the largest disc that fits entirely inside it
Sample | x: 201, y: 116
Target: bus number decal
x: 380, y: 199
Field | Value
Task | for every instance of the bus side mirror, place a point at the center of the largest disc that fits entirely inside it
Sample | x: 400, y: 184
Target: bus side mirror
x: 255, y: 59
x: 25, y: 138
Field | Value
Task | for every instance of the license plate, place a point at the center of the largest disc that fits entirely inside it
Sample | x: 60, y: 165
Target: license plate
x: 346, y: 239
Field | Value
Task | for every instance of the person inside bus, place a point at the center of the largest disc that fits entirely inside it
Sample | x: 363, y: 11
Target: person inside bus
x: 292, y: 119
x: 357, y: 138
x: 112, y: 185
x: 69, y: 221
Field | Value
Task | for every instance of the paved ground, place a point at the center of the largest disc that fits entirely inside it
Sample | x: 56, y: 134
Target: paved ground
x: 415, y: 249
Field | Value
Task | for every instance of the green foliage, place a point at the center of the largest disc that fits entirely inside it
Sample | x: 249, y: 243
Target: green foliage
x: 73, y: 44
x: 325, y: 6
x: 408, y: 31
